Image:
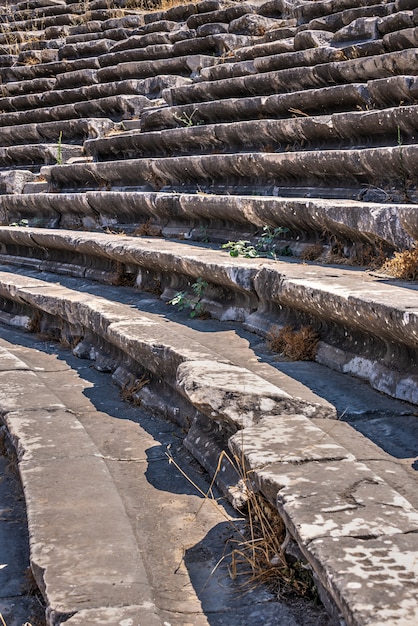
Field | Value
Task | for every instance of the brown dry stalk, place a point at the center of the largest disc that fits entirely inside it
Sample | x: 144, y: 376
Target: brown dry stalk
x: 256, y: 555
x: 297, y: 345
x: 404, y: 265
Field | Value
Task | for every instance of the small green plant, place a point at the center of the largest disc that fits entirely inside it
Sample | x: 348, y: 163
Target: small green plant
x: 265, y: 245
x: 242, y: 247
x: 23, y: 222
x: 186, y: 119
x: 59, y: 149
x: 182, y: 300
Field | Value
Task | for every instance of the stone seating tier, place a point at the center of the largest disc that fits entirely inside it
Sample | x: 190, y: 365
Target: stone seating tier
x: 382, y: 337
x: 331, y: 453
x: 298, y: 78
x: 339, y: 173
x: 356, y: 128
x: 115, y: 107
x: 35, y: 155
x: 219, y: 218
x: 223, y: 121
x: 73, y: 130
x: 55, y: 97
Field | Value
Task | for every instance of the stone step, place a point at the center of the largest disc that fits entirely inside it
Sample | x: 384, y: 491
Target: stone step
x: 47, y: 11
x: 14, y: 181
x: 182, y: 66
x: 96, y: 47
x: 47, y: 70
x: 7, y: 60
x: 327, y: 99
x: 140, y: 52
x: 17, y: 38
x: 40, y: 23
x: 114, y: 107
x: 340, y: 173
x: 293, y: 439
x: 95, y: 36
x: 219, y: 218
x: 338, y: 20
x: 36, y: 57
x: 282, y: 45
x: 326, y: 506
x: 311, y: 56
x: 354, y: 129
x: 380, y: 93
x: 182, y: 12
x: 100, y: 315
x: 36, y: 155
x: 73, y: 130
x: 212, y: 44
x: 295, y: 79
x: 274, y: 62
x: 368, y: 325
x: 141, y: 40
x: 19, y: 88
x: 73, y: 541
x: 55, y: 97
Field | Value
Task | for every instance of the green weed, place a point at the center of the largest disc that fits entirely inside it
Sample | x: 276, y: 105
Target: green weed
x: 182, y: 300
x: 265, y: 245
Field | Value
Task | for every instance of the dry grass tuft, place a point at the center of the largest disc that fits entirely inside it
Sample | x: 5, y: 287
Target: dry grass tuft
x: 34, y: 325
x: 123, y: 277
x: 147, y: 229
x: 403, y: 265
x: 296, y: 345
x: 257, y: 555
x: 129, y: 390
x: 312, y: 252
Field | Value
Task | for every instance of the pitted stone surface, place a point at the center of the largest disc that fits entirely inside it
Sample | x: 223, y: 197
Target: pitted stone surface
x: 286, y: 439
x: 231, y: 393
x: 344, y: 499
x: 13, y: 392
x: 375, y: 579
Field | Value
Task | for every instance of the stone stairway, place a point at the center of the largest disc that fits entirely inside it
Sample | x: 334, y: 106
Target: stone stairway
x: 134, y: 143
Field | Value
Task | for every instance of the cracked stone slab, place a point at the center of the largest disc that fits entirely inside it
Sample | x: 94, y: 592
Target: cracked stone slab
x: 374, y: 581
x: 235, y: 395
x: 43, y: 435
x: 75, y: 514
x: 14, y: 394
x: 76, y: 553
x: 285, y: 439
x: 337, y: 499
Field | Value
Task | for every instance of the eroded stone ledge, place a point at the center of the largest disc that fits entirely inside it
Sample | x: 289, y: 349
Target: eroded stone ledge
x: 368, y: 325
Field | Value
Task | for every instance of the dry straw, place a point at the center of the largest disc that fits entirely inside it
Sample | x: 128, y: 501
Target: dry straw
x: 257, y: 555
